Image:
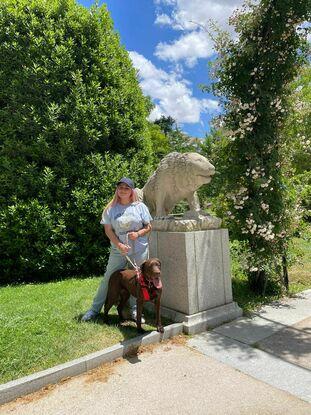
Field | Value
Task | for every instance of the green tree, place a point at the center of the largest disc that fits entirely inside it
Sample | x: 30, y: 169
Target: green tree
x: 160, y: 142
x: 167, y: 124
x: 214, y: 148
x: 178, y: 140
x: 68, y: 95
x: 297, y: 132
x: 182, y: 142
x: 252, y: 75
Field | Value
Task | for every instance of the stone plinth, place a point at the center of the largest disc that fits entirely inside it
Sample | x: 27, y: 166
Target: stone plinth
x: 190, y: 221
x: 196, y: 277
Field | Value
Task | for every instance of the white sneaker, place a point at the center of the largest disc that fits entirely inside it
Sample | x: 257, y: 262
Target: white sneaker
x: 134, y: 316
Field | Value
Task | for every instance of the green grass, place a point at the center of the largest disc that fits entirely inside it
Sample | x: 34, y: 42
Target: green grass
x: 299, y: 279
x: 246, y: 299
x: 40, y: 326
x: 300, y: 272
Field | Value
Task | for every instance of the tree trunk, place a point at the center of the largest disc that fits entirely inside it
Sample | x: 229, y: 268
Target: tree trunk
x: 258, y: 281
x: 285, y: 272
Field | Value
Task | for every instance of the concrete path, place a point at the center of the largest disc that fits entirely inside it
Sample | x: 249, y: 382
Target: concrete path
x: 274, y: 345
x: 258, y: 365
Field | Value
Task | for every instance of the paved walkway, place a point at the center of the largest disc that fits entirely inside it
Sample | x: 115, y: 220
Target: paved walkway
x: 259, y: 365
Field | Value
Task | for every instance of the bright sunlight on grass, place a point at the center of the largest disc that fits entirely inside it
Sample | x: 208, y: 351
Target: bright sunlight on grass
x: 300, y: 272
x: 40, y: 326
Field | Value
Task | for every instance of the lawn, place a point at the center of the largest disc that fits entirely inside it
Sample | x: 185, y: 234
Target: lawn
x: 40, y: 324
x: 299, y: 278
x: 300, y: 272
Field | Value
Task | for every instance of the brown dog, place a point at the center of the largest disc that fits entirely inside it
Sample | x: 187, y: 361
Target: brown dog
x: 146, y: 286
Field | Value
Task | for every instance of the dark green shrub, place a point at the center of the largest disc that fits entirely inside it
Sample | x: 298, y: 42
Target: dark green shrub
x: 68, y: 96
x: 33, y: 239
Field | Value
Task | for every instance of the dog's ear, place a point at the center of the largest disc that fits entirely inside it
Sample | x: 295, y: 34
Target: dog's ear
x: 142, y: 267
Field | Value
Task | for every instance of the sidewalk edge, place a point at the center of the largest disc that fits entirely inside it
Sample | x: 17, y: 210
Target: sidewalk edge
x: 29, y: 384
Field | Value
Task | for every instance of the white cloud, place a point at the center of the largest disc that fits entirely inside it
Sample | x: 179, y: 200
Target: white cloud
x: 193, y: 17
x: 187, y: 13
x: 189, y: 47
x: 306, y: 25
x: 211, y: 105
x: 163, y: 19
x: 167, y: 2
x: 170, y: 93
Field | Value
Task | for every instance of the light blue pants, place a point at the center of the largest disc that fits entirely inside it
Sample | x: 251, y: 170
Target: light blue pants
x: 116, y: 261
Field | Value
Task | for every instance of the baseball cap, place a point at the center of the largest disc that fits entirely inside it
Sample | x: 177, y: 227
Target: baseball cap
x: 127, y: 181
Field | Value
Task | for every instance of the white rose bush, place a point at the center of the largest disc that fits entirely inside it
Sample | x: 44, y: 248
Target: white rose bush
x: 252, y: 77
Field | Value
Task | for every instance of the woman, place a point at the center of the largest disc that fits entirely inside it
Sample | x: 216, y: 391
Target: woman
x: 127, y: 223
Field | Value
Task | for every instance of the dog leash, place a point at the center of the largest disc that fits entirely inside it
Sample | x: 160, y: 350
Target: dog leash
x: 140, y: 278
x: 133, y: 263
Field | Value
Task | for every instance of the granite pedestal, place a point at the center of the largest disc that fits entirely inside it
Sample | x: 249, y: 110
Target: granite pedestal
x: 196, y: 277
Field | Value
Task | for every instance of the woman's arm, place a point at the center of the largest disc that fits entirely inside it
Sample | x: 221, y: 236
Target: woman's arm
x: 142, y: 232
x: 113, y: 238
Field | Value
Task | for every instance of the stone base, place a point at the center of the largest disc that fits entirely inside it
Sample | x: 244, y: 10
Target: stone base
x: 195, y: 269
x: 214, y: 317
x: 196, y: 278
x: 196, y: 323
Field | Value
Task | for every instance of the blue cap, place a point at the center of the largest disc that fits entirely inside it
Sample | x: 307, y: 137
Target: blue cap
x: 127, y: 181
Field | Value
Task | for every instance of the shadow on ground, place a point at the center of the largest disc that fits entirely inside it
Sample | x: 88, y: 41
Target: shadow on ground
x: 127, y: 327
x: 243, y: 336
x: 292, y: 344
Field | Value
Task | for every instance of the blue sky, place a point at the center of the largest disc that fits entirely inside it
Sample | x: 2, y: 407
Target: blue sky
x: 168, y: 45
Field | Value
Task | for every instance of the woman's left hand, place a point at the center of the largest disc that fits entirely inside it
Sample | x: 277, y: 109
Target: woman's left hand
x: 133, y: 235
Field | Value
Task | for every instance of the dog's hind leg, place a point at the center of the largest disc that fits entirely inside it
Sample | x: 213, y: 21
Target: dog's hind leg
x: 124, y: 296
x: 112, y: 294
x: 108, y: 304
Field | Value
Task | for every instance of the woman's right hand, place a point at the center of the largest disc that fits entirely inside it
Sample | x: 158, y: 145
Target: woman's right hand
x: 123, y: 248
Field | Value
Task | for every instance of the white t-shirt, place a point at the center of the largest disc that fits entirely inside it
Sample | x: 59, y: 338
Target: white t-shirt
x: 128, y: 218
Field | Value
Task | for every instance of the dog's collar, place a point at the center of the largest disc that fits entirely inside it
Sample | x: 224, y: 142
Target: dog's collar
x: 148, y: 289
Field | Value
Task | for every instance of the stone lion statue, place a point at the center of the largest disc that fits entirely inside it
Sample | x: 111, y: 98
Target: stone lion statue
x: 177, y: 177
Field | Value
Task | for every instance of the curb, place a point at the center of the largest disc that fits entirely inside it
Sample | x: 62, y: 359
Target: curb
x: 28, y: 384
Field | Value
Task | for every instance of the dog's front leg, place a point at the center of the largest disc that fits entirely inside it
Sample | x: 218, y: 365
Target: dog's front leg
x: 139, y: 308
x: 160, y: 328
x: 139, y: 305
